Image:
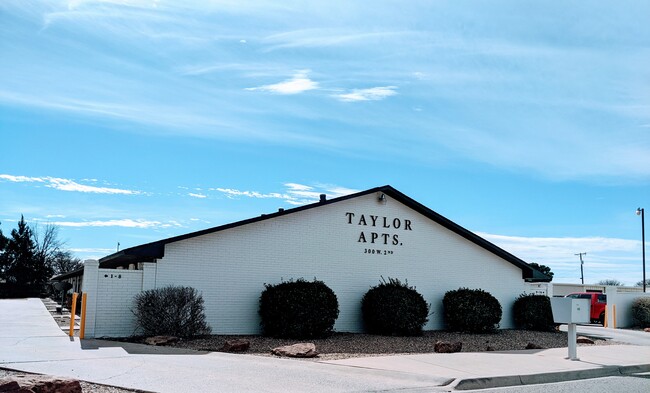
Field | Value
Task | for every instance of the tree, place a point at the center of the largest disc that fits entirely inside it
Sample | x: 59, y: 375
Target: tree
x: 640, y: 283
x: 63, y: 262
x: 610, y: 281
x: 542, y: 268
x: 23, y: 269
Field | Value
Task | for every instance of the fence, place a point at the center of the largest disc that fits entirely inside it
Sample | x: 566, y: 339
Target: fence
x: 110, y: 298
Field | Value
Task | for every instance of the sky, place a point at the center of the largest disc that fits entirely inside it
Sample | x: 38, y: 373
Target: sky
x: 526, y: 122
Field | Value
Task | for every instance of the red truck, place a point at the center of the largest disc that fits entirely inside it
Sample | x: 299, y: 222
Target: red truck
x: 598, y: 304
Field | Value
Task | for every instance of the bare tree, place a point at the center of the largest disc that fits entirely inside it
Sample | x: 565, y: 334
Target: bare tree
x: 610, y: 281
x: 47, y: 243
x: 64, y: 261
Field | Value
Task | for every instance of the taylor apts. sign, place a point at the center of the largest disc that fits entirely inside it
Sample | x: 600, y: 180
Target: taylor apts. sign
x: 379, y: 230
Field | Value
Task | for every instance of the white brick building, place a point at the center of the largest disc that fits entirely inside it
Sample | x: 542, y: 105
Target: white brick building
x: 348, y: 242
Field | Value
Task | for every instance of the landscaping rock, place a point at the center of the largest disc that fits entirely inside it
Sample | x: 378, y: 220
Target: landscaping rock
x: 300, y: 350
x: 447, y: 347
x: 533, y: 346
x: 161, y: 340
x: 238, y: 345
x: 39, y: 384
x: 647, y: 330
x: 489, y: 349
x: 584, y: 340
x: 9, y: 386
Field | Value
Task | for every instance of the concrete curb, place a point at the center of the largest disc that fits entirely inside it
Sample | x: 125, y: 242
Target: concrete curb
x: 560, y: 376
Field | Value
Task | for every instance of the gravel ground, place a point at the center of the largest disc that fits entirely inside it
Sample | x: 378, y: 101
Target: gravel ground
x: 348, y: 345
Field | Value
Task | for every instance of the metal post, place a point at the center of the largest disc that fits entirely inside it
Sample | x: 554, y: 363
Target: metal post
x: 73, y: 313
x: 82, y: 328
x: 643, y: 244
x: 582, y: 275
x: 573, y: 342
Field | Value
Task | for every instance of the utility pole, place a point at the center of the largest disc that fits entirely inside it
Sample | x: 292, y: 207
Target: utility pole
x: 118, y: 246
x: 582, y: 273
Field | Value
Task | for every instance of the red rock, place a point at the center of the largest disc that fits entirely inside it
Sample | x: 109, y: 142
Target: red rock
x: 161, y: 340
x: 300, y: 350
x: 584, y: 340
x: 447, y: 347
x: 238, y: 345
x: 647, y: 330
x: 43, y: 384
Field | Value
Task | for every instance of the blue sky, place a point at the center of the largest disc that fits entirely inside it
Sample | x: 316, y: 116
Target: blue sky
x: 526, y: 122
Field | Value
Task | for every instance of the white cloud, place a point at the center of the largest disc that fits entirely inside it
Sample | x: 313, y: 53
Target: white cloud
x: 201, y: 196
x: 371, y: 94
x: 298, y: 84
x: 125, y: 223
x: 67, y: 185
x: 296, y: 194
x: 606, y: 257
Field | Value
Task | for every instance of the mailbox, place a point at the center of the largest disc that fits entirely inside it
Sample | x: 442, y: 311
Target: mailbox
x: 569, y: 310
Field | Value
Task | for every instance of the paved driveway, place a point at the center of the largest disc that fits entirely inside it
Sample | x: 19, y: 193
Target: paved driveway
x: 31, y: 341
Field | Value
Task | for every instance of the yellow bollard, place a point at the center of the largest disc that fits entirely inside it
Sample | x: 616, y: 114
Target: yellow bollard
x: 82, y: 328
x: 614, y: 316
x: 605, y: 323
x: 72, y: 313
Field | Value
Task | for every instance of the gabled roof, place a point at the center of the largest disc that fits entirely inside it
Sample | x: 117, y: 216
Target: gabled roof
x: 156, y: 250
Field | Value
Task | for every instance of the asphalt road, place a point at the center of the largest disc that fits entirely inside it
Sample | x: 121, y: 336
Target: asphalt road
x: 632, y: 384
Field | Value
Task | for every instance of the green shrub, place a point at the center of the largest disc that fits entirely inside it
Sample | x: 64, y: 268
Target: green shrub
x: 641, y: 311
x: 298, y: 309
x: 471, y: 310
x: 394, y: 309
x: 173, y: 311
x: 533, y: 312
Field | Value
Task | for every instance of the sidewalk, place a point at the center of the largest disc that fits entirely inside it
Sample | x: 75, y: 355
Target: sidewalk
x: 31, y: 341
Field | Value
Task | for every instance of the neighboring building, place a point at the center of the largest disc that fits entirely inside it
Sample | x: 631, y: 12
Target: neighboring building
x: 350, y: 243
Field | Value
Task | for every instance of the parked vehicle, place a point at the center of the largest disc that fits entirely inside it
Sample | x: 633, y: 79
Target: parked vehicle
x: 598, y: 304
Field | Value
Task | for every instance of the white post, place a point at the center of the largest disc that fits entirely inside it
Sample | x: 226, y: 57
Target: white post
x: 573, y: 342
x: 89, y: 287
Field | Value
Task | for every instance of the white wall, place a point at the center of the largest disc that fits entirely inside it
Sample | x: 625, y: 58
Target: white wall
x: 110, y: 299
x: 623, y: 302
x: 116, y: 290
x: 230, y: 267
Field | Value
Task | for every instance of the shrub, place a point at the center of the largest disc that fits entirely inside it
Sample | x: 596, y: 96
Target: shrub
x: 471, y: 310
x: 298, y: 309
x: 533, y: 312
x: 395, y: 309
x: 173, y: 310
x: 641, y: 311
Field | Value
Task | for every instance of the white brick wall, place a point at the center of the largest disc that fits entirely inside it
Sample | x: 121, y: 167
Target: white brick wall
x: 230, y: 267
x: 116, y: 289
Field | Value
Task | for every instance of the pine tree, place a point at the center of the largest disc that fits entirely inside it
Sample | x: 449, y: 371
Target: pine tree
x: 23, y: 267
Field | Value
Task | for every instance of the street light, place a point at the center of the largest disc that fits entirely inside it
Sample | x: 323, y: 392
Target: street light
x: 640, y: 212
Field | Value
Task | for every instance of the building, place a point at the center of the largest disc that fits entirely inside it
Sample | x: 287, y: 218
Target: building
x: 349, y: 242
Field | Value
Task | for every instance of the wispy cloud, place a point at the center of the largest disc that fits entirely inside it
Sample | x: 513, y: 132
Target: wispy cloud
x: 299, y: 83
x: 371, y: 94
x: 125, y: 223
x: 295, y: 194
x: 67, y: 185
x: 606, y: 257
x: 200, y: 196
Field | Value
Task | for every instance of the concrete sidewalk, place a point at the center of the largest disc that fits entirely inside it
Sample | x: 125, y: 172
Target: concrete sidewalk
x: 31, y: 341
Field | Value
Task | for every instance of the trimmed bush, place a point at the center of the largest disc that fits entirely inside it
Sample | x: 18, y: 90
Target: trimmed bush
x: 533, y: 312
x: 171, y: 311
x: 394, y: 309
x: 641, y: 311
x: 471, y: 310
x: 298, y: 309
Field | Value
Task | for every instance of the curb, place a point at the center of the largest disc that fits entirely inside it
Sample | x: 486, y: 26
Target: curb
x: 560, y: 376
